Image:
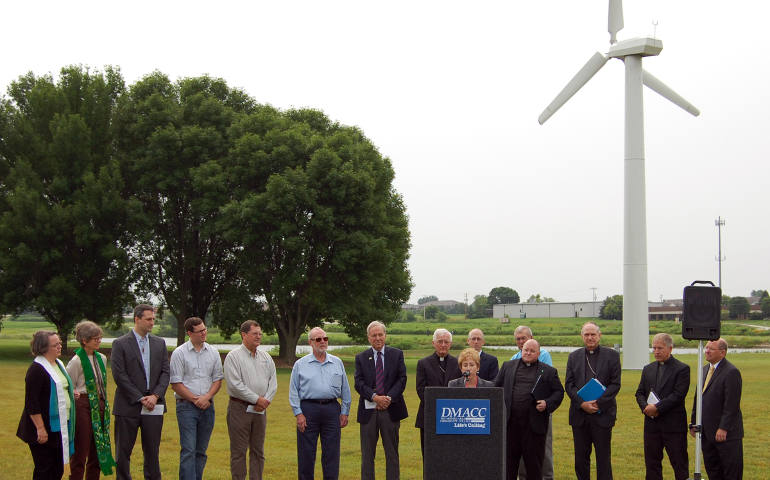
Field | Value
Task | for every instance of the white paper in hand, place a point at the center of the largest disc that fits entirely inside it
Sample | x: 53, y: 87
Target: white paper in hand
x: 652, y: 399
x: 158, y: 410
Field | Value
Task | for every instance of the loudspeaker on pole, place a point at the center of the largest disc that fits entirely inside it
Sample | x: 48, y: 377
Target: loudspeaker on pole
x: 701, y: 311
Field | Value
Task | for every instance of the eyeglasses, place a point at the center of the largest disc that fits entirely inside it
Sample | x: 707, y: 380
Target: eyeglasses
x: 204, y: 330
x: 319, y: 339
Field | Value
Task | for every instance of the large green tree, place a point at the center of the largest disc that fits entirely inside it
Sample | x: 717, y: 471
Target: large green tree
x: 612, y: 308
x: 480, y: 308
x: 502, y: 295
x: 324, y: 233
x: 739, y: 307
x: 63, y: 208
x: 175, y: 140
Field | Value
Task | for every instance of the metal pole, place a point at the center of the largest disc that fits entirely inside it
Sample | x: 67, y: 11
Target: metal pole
x: 636, y: 330
x: 719, y: 222
x: 698, y: 414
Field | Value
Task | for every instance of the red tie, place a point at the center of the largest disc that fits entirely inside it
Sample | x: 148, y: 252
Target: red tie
x: 379, y: 375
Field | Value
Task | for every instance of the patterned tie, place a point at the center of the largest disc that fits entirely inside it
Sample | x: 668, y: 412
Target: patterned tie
x: 379, y: 374
x: 708, y: 377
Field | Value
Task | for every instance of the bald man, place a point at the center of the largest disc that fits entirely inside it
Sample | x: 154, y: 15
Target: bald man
x: 489, y: 364
x: 532, y: 391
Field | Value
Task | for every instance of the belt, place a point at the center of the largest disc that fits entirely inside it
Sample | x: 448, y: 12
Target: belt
x: 322, y: 401
x: 234, y: 399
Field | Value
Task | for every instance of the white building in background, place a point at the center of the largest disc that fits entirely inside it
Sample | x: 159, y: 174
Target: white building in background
x: 547, y: 310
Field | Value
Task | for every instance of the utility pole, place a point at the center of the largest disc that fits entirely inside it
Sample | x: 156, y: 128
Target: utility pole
x: 466, y: 305
x: 593, y: 305
x: 719, y: 222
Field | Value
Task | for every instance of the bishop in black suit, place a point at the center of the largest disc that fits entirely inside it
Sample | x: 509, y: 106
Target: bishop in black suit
x: 665, y: 417
x: 435, y: 370
x: 381, y: 405
x: 722, y: 420
x: 592, y: 421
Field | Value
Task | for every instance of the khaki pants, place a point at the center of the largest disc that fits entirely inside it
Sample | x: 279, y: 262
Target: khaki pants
x: 247, y: 431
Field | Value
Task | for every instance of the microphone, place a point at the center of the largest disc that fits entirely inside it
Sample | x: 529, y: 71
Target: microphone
x: 467, y: 375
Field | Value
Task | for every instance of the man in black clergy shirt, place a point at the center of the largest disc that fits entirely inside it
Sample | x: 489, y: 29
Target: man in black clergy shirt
x: 380, y: 381
x: 532, y: 392
x: 592, y: 421
x: 665, y: 417
x: 435, y: 370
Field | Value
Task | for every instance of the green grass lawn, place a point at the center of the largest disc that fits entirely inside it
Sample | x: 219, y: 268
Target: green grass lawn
x: 280, y: 446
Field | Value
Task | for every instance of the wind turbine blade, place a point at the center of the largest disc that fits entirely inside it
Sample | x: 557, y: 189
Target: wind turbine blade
x: 665, y: 91
x: 615, y: 19
x: 594, y: 64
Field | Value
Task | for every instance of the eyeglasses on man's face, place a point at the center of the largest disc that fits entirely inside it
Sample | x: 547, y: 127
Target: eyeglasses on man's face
x: 202, y: 330
x: 319, y: 339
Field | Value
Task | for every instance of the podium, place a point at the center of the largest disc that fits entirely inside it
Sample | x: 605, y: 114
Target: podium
x: 464, y: 433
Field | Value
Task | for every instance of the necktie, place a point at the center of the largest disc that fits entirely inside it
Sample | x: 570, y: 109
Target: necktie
x: 708, y: 377
x: 379, y: 375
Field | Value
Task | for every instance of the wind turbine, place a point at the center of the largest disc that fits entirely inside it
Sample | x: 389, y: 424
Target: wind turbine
x: 635, y: 309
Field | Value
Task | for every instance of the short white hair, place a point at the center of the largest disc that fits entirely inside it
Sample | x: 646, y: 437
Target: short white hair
x: 523, y: 329
x: 375, y: 323
x: 441, y: 331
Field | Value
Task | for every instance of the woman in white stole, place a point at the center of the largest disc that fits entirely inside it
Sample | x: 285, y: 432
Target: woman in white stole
x: 47, y: 422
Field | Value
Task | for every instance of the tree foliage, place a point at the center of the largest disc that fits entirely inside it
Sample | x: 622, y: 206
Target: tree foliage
x: 480, y: 308
x: 502, y: 295
x: 612, y: 308
x: 765, y: 306
x: 175, y: 140
x: 739, y: 307
x: 321, y: 219
x: 536, y: 298
x: 426, y: 299
x: 760, y: 293
x: 63, y: 208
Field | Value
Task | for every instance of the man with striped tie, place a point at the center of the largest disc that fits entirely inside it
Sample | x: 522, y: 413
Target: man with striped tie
x: 380, y: 380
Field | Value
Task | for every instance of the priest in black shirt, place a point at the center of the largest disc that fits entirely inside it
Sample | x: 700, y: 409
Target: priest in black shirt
x: 532, y: 391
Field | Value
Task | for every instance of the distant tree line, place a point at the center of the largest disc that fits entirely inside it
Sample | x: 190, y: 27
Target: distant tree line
x: 190, y: 194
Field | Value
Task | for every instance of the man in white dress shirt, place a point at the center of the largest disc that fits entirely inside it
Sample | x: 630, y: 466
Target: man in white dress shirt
x: 251, y: 385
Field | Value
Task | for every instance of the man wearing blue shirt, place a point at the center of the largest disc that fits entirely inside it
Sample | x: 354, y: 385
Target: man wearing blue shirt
x: 522, y: 334
x: 317, y: 381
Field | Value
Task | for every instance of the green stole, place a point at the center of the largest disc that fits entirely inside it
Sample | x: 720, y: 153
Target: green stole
x: 101, y: 429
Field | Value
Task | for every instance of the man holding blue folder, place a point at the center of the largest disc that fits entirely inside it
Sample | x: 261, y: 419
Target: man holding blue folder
x: 592, y: 411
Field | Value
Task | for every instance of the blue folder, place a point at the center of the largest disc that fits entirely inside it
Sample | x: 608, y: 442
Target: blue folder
x: 592, y: 390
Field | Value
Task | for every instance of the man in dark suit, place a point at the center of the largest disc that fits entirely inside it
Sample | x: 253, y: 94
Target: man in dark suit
x: 665, y: 417
x: 489, y: 364
x: 592, y: 421
x: 722, y: 430
x: 140, y: 368
x: 380, y: 381
x: 532, y: 391
x: 435, y: 370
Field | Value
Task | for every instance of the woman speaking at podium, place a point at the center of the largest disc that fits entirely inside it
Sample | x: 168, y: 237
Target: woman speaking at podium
x: 470, y: 362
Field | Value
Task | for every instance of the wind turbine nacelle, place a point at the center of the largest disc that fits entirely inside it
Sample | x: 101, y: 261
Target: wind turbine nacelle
x: 645, y: 47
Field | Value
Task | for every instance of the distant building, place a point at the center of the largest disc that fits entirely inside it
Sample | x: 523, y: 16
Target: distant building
x: 546, y: 310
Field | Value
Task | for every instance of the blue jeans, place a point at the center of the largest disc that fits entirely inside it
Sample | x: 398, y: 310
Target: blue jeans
x: 195, y: 426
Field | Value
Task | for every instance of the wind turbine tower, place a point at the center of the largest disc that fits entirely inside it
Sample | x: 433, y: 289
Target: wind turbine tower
x: 635, y: 308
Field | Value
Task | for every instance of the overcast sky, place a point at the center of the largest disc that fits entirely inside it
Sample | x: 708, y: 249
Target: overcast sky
x: 450, y: 91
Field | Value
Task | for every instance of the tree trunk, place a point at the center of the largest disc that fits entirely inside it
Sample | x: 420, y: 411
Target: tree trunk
x: 288, y: 336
